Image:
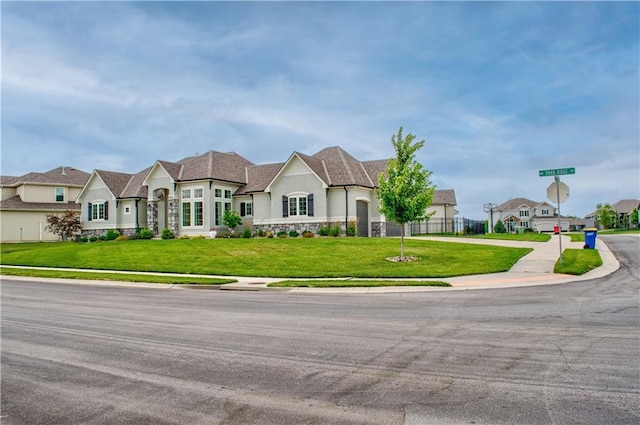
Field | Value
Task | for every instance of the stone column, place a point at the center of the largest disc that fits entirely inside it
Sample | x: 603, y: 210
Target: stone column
x: 152, y: 216
x: 174, y: 215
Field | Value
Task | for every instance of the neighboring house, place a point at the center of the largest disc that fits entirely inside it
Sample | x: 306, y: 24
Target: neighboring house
x: 527, y: 214
x: 624, y: 208
x: 190, y: 196
x: 26, y: 201
x: 111, y: 200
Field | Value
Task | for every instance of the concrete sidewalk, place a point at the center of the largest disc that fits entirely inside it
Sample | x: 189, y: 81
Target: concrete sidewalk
x: 536, y: 268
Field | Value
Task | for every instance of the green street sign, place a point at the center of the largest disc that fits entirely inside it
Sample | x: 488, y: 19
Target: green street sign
x: 557, y: 172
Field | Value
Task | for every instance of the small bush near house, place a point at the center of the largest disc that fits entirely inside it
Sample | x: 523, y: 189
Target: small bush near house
x: 294, y: 234
x: 260, y: 233
x: 324, y: 231
x: 335, y: 231
x: 121, y: 238
x: 246, y: 233
x: 84, y: 239
x: 281, y: 234
x: 167, y: 234
x: 352, y: 228
x: 307, y: 234
x: 269, y: 234
x: 93, y: 238
x: 111, y: 235
x: 145, y: 233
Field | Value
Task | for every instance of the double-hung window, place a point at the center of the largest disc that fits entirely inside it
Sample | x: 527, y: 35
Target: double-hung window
x: 59, y: 194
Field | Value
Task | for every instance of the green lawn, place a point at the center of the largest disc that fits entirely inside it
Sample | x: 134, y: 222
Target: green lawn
x: 578, y: 261
x: 295, y: 258
x: 120, y: 277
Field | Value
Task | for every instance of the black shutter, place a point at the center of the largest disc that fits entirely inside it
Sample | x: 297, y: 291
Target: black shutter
x: 106, y: 210
x: 310, y: 205
x: 89, y: 209
x: 285, y: 206
x: 243, y: 209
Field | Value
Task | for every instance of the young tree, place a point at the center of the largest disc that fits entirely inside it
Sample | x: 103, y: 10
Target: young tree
x: 605, y: 216
x: 65, y: 225
x: 405, y: 191
x: 231, y: 219
x: 499, y: 227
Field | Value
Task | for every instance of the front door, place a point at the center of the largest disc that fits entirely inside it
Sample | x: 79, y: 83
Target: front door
x: 362, y: 210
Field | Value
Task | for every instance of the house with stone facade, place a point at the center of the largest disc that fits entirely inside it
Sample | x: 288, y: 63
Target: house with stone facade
x: 28, y: 199
x: 189, y: 196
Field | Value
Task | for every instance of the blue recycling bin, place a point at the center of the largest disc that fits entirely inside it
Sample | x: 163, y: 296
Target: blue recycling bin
x: 590, y: 236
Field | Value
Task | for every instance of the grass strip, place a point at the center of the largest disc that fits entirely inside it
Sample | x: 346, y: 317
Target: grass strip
x: 353, y: 283
x: 117, y: 277
x: 578, y: 261
x: 279, y: 258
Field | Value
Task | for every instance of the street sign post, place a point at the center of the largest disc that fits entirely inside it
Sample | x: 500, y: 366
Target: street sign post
x: 561, y: 191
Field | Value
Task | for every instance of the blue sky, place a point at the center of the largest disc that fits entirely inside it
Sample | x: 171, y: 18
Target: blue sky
x: 497, y: 90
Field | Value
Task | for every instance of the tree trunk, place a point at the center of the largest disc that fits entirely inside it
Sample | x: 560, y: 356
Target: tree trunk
x: 401, y: 242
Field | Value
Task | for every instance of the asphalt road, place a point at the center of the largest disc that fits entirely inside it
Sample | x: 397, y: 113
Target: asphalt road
x: 559, y: 354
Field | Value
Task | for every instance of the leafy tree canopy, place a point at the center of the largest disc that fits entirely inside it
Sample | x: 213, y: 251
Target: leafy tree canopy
x: 65, y: 225
x: 405, y: 191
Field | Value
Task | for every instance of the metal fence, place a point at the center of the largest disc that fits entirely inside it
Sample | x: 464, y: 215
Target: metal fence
x: 454, y: 226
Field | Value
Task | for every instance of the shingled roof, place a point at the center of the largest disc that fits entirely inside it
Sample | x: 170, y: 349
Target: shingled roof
x: 124, y: 185
x: 229, y: 167
x: 444, y: 197
x: 63, y: 176
x: 259, y: 177
x: 16, y: 203
x: 342, y: 169
x: 515, y: 203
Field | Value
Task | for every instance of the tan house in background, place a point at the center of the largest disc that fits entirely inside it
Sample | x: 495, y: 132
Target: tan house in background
x: 26, y: 201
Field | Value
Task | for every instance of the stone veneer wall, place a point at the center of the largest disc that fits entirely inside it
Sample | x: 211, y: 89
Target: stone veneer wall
x: 174, y: 216
x: 152, y: 216
x: 377, y: 228
x: 101, y: 232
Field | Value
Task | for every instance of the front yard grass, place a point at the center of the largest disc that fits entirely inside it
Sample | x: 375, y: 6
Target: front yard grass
x: 578, y: 261
x: 280, y: 258
x: 119, y: 277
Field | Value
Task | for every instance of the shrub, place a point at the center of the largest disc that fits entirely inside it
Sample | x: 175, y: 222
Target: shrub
x: 145, y: 233
x: 324, y: 231
x: 294, y: 234
x: 269, y: 234
x: 121, y: 238
x: 352, y: 228
x: 111, y: 235
x: 83, y: 239
x: 260, y: 233
x: 499, y: 227
x: 335, y: 231
x: 246, y: 233
x: 167, y: 234
x: 307, y: 234
x: 281, y: 234
x: 93, y: 238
